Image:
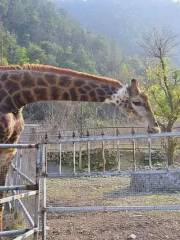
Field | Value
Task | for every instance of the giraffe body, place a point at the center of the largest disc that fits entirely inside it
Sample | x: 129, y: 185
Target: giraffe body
x: 21, y: 85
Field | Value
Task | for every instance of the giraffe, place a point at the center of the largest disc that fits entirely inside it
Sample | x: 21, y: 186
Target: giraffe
x: 21, y: 85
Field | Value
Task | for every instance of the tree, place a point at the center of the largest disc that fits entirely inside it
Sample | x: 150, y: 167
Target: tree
x: 163, y: 82
x: 36, y: 54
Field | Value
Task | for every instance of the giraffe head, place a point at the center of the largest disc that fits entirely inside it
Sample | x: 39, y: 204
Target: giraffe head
x: 132, y: 100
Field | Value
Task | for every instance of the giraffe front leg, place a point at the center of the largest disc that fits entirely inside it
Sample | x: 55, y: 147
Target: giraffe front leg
x: 1, y: 215
x: 6, y: 157
x: 3, y: 174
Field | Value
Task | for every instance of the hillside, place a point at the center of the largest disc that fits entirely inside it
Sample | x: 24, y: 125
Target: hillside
x: 126, y: 21
x: 37, y: 32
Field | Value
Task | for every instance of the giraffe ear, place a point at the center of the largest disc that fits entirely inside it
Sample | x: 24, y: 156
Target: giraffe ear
x: 134, y: 88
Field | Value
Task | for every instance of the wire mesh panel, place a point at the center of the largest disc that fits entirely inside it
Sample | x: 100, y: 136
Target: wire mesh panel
x: 20, y: 191
x: 93, y: 178
x: 108, y: 176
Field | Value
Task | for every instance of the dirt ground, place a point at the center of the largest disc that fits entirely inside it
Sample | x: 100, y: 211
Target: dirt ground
x: 109, y: 226
x: 115, y: 226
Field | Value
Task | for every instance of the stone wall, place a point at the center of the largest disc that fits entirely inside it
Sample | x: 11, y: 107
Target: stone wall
x: 155, y: 181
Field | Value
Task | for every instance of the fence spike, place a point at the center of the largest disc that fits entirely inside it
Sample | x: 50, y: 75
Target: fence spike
x: 88, y: 133
x: 117, y: 131
x: 46, y: 137
x: 59, y: 136
x: 132, y: 131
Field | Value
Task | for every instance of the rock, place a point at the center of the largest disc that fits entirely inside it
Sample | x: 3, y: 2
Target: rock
x: 132, y: 236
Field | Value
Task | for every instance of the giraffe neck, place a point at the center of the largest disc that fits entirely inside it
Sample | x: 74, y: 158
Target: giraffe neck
x: 19, y: 87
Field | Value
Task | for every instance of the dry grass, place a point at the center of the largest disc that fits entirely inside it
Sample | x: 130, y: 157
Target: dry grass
x: 101, y: 191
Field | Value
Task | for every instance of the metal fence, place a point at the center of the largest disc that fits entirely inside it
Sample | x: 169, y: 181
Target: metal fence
x: 74, y: 192
x: 120, y: 145
x: 67, y: 195
x: 21, y: 193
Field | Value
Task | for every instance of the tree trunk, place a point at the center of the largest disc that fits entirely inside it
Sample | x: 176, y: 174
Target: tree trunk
x: 171, y: 145
x: 170, y: 150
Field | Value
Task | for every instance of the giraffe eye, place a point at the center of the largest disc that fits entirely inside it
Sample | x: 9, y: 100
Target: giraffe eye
x: 137, y: 103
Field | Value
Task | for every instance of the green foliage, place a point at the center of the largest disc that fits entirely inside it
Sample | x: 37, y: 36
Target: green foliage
x: 11, y: 52
x: 40, y: 32
x: 167, y: 108
x: 4, y: 7
x: 36, y: 54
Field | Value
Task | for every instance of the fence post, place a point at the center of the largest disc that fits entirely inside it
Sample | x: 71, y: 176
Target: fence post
x: 150, y: 152
x: 134, y: 154
x: 118, y: 156
x: 134, y: 148
x: 80, y: 156
x: 167, y: 146
x: 37, y: 197
x: 74, y: 158
x: 103, y: 156
x: 60, y: 154
x: 60, y: 158
x: 89, y: 157
x: 20, y: 165
x: 44, y: 175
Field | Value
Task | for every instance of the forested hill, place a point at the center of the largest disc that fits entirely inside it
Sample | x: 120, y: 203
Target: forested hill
x: 126, y: 21
x: 37, y: 31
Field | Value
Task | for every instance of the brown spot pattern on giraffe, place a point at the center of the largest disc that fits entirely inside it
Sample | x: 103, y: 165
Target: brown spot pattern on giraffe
x: 79, y: 82
x: 3, y: 94
x: 18, y: 99
x: 10, y: 103
x: 15, y: 76
x: 11, y: 86
x: 40, y: 93
x: 4, y: 77
x: 100, y: 92
x: 41, y: 82
x: 63, y: 71
x: 55, y: 93
x: 73, y: 94
x: 92, y: 94
x: 93, y: 85
x: 82, y: 91
x: 27, y: 81
x: 106, y: 88
x: 64, y: 81
x: 28, y: 96
x: 84, y: 98
x: 86, y: 87
x: 65, y: 96
x: 101, y: 99
x: 51, y: 78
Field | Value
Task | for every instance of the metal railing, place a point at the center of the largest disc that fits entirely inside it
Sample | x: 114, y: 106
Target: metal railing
x: 37, y: 188
x: 19, y: 192
x: 74, y: 141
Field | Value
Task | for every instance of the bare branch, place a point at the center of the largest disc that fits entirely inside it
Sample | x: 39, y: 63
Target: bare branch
x: 159, y: 44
